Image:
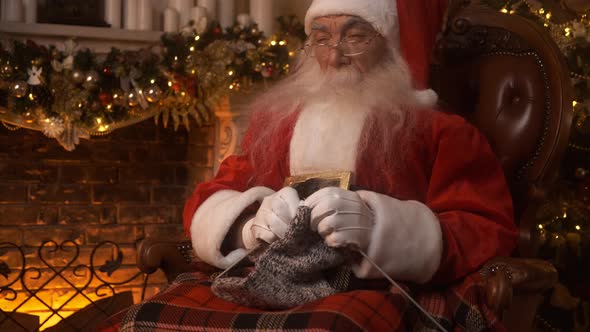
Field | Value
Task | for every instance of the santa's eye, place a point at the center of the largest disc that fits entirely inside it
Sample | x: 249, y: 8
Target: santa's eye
x: 321, y: 38
x: 355, y: 38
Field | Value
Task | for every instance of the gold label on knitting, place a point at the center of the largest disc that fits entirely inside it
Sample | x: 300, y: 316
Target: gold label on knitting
x: 307, y: 184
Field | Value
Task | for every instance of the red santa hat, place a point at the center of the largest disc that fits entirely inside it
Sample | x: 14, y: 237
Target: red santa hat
x: 411, y: 25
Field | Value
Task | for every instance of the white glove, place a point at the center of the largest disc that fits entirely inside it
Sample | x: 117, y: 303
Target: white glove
x: 341, y: 218
x: 272, y: 219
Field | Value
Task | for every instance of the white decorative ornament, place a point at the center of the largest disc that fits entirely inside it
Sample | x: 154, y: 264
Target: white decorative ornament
x: 70, y: 137
x: 197, y: 27
x: 201, y: 25
x: 69, y: 49
x: 241, y: 46
x: 53, y: 127
x: 34, y: 75
x: 198, y: 22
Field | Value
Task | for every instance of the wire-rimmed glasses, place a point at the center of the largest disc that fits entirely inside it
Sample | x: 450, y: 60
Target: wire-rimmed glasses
x: 348, y: 46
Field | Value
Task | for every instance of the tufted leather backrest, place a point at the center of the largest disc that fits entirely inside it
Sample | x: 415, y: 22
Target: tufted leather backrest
x: 508, y: 78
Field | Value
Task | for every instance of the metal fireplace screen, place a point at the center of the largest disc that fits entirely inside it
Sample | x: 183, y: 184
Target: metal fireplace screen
x: 57, y: 280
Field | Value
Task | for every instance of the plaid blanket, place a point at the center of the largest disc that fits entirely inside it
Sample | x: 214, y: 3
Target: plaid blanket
x: 189, y: 305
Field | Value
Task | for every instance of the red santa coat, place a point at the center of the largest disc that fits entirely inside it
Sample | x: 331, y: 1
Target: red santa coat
x: 449, y: 167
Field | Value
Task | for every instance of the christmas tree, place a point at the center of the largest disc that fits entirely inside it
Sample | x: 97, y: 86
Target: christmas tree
x: 563, y: 227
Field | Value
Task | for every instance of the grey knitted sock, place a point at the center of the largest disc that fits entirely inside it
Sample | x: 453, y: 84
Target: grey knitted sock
x: 291, y: 272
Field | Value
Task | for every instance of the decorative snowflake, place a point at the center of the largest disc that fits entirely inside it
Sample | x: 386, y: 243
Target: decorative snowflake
x: 53, y: 127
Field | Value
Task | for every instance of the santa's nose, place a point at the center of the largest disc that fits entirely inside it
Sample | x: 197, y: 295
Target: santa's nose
x: 336, y: 58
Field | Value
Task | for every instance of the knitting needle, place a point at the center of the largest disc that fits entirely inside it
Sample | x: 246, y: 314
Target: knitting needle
x: 404, y: 293
x: 236, y: 263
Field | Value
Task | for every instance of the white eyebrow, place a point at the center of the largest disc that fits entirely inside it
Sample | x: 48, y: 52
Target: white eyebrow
x: 315, y: 26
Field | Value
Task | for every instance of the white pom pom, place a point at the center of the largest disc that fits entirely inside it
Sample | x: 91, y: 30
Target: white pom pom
x: 426, y: 98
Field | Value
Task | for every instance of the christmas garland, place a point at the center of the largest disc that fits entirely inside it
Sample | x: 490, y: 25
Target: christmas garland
x: 70, y: 94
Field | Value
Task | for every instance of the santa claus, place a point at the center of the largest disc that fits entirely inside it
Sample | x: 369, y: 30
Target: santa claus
x: 428, y: 206
x: 429, y: 202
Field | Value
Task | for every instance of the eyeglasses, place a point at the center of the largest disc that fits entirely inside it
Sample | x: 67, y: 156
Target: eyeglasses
x: 350, y: 46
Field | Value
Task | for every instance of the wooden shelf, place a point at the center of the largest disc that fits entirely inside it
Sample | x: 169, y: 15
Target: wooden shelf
x: 96, y: 38
x: 59, y: 30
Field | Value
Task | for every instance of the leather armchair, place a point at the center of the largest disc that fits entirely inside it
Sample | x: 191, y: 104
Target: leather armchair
x: 507, y: 77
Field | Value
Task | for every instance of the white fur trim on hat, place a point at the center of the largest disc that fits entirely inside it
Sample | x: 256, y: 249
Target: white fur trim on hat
x: 381, y: 14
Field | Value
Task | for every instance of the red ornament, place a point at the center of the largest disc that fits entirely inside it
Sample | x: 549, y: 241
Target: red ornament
x: 107, y: 71
x: 176, y: 86
x: 267, y: 72
x: 105, y: 98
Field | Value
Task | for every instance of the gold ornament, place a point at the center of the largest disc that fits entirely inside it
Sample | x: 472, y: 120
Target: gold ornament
x: 153, y: 93
x: 78, y: 76
x: 91, y: 80
x: 132, y: 99
x: 19, y: 89
x: 119, y: 97
x: 29, y: 118
x: 6, y: 70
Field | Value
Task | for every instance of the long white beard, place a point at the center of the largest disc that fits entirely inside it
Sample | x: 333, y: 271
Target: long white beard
x: 327, y: 134
x: 386, y: 92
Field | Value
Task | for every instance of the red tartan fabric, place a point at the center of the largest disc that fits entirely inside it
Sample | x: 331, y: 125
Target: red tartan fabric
x: 189, y: 305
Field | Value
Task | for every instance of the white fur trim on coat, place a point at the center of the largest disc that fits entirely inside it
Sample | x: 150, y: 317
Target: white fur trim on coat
x: 214, y: 218
x: 406, y: 241
x: 381, y: 14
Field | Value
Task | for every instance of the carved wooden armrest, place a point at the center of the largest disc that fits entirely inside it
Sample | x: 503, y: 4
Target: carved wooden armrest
x: 508, y: 277
x: 173, y: 258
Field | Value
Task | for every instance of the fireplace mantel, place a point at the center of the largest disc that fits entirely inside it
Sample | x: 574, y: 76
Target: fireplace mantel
x: 231, y: 115
x: 99, y: 40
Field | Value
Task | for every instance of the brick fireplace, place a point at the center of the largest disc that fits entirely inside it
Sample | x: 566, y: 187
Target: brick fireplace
x: 121, y: 187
